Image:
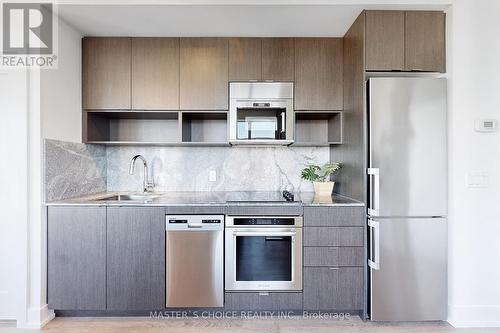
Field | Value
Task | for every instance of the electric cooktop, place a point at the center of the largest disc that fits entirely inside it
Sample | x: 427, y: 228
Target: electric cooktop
x: 263, y: 197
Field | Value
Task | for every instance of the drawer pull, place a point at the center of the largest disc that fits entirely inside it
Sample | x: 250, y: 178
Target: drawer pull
x: 333, y: 268
x: 263, y: 294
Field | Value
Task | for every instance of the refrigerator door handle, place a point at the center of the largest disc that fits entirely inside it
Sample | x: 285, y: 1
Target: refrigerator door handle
x: 374, y: 208
x: 374, y: 259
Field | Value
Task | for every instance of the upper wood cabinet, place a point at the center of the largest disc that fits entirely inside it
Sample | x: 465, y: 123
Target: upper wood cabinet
x: 278, y: 59
x: 385, y: 40
x: 405, y: 41
x: 318, y: 74
x: 155, y: 73
x: 425, y: 45
x: 261, y: 59
x: 204, y: 73
x: 106, y: 73
x: 245, y: 59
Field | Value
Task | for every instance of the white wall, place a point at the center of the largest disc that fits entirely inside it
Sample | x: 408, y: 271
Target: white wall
x: 35, y: 104
x: 14, y: 193
x: 54, y: 105
x: 474, y: 214
x: 60, y: 96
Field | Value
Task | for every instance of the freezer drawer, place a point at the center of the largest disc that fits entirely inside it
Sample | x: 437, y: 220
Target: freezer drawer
x: 408, y: 269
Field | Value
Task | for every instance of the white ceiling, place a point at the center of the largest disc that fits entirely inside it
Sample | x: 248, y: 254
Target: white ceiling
x: 211, y: 20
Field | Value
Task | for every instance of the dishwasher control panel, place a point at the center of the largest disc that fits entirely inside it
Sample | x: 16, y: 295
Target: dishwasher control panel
x: 185, y: 222
x: 211, y: 221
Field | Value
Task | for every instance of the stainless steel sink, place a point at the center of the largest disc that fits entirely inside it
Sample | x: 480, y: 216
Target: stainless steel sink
x: 129, y: 197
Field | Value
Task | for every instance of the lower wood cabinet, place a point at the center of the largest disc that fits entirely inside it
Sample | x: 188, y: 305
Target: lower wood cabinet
x: 334, y: 256
x: 135, y: 258
x: 333, y: 288
x: 76, y: 258
x: 334, y: 236
x: 106, y: 258
x: 255, y: 301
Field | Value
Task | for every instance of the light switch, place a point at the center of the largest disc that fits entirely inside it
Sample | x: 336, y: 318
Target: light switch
x: 477, y: 180
x: 212, y: 176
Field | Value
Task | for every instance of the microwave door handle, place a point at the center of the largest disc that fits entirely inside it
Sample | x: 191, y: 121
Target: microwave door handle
x: 283, y: 122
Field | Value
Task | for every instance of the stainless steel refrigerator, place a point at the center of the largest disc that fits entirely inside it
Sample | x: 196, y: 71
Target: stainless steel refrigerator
x: 407, y: 204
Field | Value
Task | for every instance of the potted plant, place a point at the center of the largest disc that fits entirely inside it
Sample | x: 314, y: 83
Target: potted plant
x: 320, y: 177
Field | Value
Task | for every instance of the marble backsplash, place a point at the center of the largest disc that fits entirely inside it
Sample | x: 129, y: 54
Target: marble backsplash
x: 73, y: 169
x: 237, y: 168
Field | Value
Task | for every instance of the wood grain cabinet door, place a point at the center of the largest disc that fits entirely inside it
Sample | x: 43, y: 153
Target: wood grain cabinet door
x: 385, y: 40
x: 333, y: 288
x: 318, y: 74
x: 204, y: 73
x: 106, y: 73
x: 245, y: 59
x: 136, y: 258
x: 76, y: 258
x: 425, y: 45
x: 278, y: 59
x: 155, y: 73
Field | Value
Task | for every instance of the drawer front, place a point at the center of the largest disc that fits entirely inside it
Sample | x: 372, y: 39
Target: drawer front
x: 334, y: 236
x: 334, y: 256
x: 263, y: 301
x: 333, y: 289
x: 334, y: 216
x: 201, y: 210
x: 290, y: 209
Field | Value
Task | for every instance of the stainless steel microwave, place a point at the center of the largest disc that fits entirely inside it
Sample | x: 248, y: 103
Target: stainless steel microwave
x: 261, y: 113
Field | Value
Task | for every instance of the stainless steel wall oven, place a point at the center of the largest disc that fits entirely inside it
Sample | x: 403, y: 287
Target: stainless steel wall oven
x: 263, y: 253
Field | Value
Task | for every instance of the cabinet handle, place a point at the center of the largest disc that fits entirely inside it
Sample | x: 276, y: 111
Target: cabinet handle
x: 263, y: 294
x: 333, y: 268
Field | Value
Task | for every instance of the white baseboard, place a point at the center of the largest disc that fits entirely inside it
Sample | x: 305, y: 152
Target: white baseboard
x: 37, y: 318
x: 474, y: 316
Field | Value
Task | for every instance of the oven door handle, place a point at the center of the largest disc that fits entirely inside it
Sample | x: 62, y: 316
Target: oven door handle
x: 275, y: 238
x: 265, y: 234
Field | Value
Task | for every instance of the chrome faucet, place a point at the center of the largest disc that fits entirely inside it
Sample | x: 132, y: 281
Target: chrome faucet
x: 148, y: 185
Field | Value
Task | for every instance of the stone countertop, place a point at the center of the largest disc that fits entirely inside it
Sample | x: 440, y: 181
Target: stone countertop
x: 210, y: 199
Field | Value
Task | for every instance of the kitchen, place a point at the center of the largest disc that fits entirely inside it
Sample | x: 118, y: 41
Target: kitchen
x: 252, y: 173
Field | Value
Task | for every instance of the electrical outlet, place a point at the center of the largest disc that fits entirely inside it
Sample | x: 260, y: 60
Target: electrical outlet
x: 212, y: 176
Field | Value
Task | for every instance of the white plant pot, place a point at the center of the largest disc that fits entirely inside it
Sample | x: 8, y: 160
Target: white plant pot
x: 323, y: 188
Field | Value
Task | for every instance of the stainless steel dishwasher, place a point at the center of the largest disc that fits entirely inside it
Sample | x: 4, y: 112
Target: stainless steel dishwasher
x: 195, y: 261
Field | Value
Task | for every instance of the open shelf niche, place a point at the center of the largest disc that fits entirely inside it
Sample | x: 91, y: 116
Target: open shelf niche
x: 115, y: 127
x: 156, y: 128
x: 204, y: 128
x: 318, y: 128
